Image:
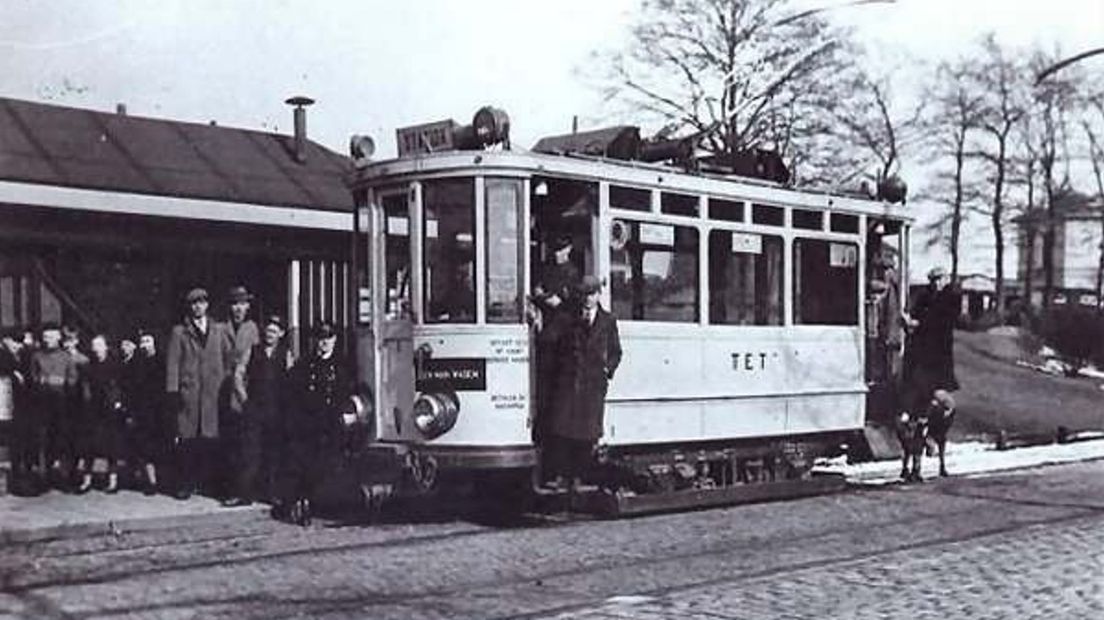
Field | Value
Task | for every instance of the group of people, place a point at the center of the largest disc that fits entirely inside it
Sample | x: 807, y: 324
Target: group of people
x: 225, y: 409
x: 578, y: 350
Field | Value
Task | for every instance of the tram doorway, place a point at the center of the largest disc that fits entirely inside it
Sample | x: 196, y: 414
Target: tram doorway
x: 885, y: 332
x: 562, y: 210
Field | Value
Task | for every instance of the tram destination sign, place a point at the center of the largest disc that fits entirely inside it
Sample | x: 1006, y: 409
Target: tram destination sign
x: 460, y: 374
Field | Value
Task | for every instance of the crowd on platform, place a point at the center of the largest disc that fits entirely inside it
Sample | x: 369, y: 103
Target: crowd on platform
x: 224, y: 409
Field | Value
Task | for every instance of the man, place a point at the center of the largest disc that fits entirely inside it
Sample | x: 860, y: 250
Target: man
x: 266, y: 376
x: 554, y: 297
x: 196, y: 366
x: 27, y: 431
x: 143, y: 382
x: 54, y: 377
x: 245, y: 336
x: 320, y: 385
x: 589, y: 354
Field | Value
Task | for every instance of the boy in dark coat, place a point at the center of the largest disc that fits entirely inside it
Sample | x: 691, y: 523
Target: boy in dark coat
x: 321, y: 386
x: 589, y: 354
x: 265, y: 376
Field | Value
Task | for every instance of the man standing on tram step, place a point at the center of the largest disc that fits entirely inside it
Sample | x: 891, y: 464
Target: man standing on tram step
x: 147, y: 439
x: 554, y: 297
x: 321, y: 385
x: 197, y: 364
x: 929, y: 358
x: 245, y: 336
x: 589, y: 354
x: 261, y: 433
x: 54, y: 383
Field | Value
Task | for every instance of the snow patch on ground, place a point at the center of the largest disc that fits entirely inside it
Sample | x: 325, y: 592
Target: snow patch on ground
x: 966, y: 458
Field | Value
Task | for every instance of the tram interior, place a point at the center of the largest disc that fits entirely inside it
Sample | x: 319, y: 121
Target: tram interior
x: 562, y: 207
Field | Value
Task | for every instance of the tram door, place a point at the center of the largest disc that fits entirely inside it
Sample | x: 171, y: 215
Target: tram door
x: 885, y: 335
x: 393, y: 310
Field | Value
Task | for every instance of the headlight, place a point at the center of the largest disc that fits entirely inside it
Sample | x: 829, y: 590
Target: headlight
x: 435, y: 414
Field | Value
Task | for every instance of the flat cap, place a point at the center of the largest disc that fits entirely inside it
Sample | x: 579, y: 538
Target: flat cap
x: 196, y: 294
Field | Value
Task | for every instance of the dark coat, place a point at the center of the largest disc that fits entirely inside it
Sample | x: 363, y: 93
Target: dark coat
x: 588, y: 357
x: 319, y: 388
x: 929, y: 358
x: 266, y: 379
x: 102, y: 400
x: 196, y: 367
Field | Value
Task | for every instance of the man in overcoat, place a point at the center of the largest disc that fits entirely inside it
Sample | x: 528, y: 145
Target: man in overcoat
x: 589, y: 354
x: 929, y: 358
x: 555, y: 298
x: 198, y: 361
x: 245, y: 336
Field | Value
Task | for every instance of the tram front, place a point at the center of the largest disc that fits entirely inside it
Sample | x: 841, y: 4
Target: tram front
x: 442, y: 337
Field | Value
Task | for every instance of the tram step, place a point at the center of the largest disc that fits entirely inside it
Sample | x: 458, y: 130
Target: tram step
x: 615, y: 505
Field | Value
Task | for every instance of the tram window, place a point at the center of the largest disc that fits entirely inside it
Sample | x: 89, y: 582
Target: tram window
x: 678, y: 204
x: 745, y: 278
x: 727, y: 210
x: 768, y: 215
x: 630, y: 198
x: 841, y: 222
x: 449, y: 239
x: 807, y: 219
x: 654, y: 272
x: 826, y: 282
x: 397, y: 226
x: 504, y: 292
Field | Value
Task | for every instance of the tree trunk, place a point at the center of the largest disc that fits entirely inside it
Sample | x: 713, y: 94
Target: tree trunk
x: 998, y: 227
x: 956, y: 215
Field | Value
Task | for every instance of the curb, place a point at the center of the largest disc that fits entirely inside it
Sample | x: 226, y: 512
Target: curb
x: 94, y: 529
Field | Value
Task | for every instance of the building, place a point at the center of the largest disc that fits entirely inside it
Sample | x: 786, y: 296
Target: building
x: 1078, y: 242
x: 106, y: 219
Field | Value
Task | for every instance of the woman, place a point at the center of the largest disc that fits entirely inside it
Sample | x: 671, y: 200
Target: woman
x: 102, y: 399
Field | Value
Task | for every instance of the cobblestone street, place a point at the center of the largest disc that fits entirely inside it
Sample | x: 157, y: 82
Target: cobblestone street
x: 1028, y: 543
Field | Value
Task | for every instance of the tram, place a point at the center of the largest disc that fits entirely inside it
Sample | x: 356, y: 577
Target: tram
x: 744, y: 306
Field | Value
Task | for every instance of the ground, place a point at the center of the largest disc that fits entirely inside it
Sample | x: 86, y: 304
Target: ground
x: 1025, y: 543
x: 997, y: 394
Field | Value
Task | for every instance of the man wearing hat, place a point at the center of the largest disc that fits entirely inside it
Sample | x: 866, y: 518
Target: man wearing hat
x: 554, y: 297
x: 261, y: 439
x: 197, y: 363
x: 588, y: 355
x: 320, y: 387
x: 245, y: 335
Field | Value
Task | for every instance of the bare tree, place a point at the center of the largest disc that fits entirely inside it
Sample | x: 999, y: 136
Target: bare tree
x: 1002, y: 87
x: 954, y: 118
x: 739, y: 73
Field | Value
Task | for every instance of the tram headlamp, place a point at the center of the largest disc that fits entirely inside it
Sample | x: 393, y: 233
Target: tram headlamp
x: 435, y: 413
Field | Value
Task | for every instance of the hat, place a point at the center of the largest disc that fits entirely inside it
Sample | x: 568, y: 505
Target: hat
x: 196, y: 294
x: 936, y: 272
x: 274, y: 319
x: 240, y: 293
x: 324, y: 330
x: 590, y: 284
x: 561, y: 242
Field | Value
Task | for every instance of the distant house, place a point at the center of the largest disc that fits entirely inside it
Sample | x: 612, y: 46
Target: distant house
x: 1077, y: 245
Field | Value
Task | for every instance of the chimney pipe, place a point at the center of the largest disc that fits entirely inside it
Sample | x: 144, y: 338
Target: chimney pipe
x: 120, y: 109
x: 300, y: 116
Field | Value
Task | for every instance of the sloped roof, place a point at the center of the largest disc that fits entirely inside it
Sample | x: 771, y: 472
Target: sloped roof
x: 620, y: 141
x: 1068, y: 205
x: 75, y: 147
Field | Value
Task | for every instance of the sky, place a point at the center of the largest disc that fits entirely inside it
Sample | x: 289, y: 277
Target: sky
x: 376, y: 65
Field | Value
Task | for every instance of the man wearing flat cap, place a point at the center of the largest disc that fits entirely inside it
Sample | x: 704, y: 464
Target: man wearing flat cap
x: 197, y: 364
x: 588, y: 356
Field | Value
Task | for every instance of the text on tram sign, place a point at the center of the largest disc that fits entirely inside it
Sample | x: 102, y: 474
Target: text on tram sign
x: 749, y: 361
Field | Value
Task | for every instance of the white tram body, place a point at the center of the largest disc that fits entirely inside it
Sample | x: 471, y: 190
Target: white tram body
x: 742, y: 305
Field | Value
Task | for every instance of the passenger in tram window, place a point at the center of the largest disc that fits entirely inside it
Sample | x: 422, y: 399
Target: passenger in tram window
x: 245, y: 335
x: 197, y: 364
x: 143, y: 376
x: 104, y: 416
x: 554, y: 298
x: 262, y: 437
x: 588, y: 356
x: 320, y: 385
x: 54, y: 378
x: 27, y: 437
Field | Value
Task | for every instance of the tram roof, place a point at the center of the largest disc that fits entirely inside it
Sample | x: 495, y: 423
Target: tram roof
x: 81, y: 148
x: 630, y: 173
